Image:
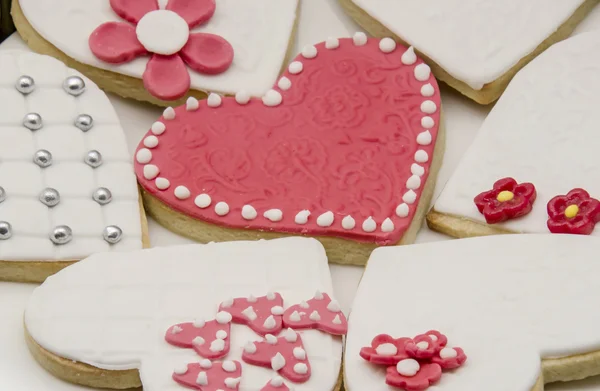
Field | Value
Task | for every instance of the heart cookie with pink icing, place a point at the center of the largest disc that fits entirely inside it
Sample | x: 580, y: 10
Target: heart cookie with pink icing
x: 345, y: 147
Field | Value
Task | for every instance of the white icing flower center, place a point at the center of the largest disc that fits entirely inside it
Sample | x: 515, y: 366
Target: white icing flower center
x: 162, y: 32
x: 386, y: 349
x: 408, y: 367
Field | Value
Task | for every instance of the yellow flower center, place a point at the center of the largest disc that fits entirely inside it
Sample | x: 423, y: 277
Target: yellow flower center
x: 505, y: 195
x: 571, y: 211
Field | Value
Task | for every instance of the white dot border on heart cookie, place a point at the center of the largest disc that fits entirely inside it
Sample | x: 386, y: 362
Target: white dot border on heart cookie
x: 273, y: 98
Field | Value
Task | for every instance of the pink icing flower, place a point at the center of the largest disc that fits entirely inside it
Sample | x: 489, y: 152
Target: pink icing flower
x: 425, y: 346
x: 450, y: 358
x: 166, y: 35
x: 385, y: 350
x: 411, y: 376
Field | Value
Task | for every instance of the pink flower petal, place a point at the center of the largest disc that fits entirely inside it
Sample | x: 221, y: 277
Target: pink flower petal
x: 194, y: 12
x: 207, y: 53
x: 166, y: 77
x: 115, y: 42
x: 133, y: 10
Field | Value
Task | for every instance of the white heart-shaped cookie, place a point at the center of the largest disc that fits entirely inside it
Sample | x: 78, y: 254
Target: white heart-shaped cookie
x: 506, y: 301
x: 112, y: 310
x: 229, y: 45
x: 67, y: 188
x: 475, y: 47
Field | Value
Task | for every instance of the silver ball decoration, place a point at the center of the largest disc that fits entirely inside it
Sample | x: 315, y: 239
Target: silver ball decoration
x: 50, y: 197
x: 84, y: 122
x: 43, y: 158
x: 25, y: 85
x: 61, y: 234
x: 102, y: 196
x: 93, y: 159
x: 2, y: 194
x: 74, y: 85
x: 33, y: 121
x: 112, y: 234
x: 5, y: 230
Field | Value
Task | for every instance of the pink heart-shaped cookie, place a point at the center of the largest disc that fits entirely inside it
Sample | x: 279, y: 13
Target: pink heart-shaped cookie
x: 342, y: 146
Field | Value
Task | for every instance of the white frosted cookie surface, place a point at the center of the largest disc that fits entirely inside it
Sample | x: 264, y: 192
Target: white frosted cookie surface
x: 475, y: 41
x: 543, y: 130
x: 112, y: 310
x: 22, y: 180
x: 506, y: 300
x: 259, y: 32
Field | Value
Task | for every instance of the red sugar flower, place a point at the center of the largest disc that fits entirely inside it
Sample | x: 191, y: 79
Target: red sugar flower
x: 450, y: 358
x: 411, y: 376
x: 424, y: 346
x: 385, y: 350
x: 574, y: 213
x: 164, y: 33
x: 507, y: 200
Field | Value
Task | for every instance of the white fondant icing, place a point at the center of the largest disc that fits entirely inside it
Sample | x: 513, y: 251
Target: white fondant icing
x: 332, y: 43
x: 271, y: 339
x: 150, y: 171
x: 295, y: 317
x: 248, y: 212
x: 176, y: 330
x: 409, y: 197
x: 402, y: 210
x: 182, y: 192
x: 337, y: 320
x: 180, y: 283
x: 387, y: 45
x: 151, y: 142
x: 259, y: 32
x: 250, y: 313
x: 198, y: 341
x: 217, y: 345
x: 169, y: 113
x: 203, y: 201
x: 417, y: 169
x: 272, y: 98
x: 202, y: 379
x: 369, y: 225
x: 314, y: 316
x: 533, y: 139
x: 223, y: 317
x: 284, y: 83
x: 199, y: 323
x: 192, y: 104
x: 277, y: 310
x: 408, y: 367
x: 309, y: 51
x: 360, y: 39
x: 427, y: 122
x: 277, y: 362
x: 421, y: 156
x: 387, y: 225
x: 448, y: 353
x: 409, y: 57
x: 206, y: 363
x: 221, y: 334
x: 158, y: 128
x: 301, y: 368
x: 482, y: 48
x: 290, y: 335
x: 295, y: 67
x: 386, y: 349
x: 242, y: 97
x: 423, y: 345
x: 528, y: 291
x: 333, y: 306
x: 424, y: 138
x: 221, y: 208
x: 299, y: 353
x: 277, y: 381
x: 250, y: 347
x: 348, y: 222
x: 143, y: 156
x: 228, y: 366
x: 427, y: 90
x: 269, y: 322
x: 326, y: 219
x: 413, y: 182
x: 428, y: 107
x: 422, y: 73
x: 214, y: 100
x: 181, y: 369
x: 162, y: 32
x: 274, y: 215
x: 227, y: 303
x: 302, y: 217
x: 162, y: 183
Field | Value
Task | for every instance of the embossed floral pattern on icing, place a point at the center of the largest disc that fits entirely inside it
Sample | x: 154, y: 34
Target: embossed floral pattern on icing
x: 336, y: 156
x: 574, y: 213
x: 165, y: 35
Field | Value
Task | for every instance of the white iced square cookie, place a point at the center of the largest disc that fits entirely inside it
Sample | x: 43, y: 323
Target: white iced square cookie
x: 67, y: 187
x: 475, y: 47
x: 109, y: 314
x: 543, y: 131
x: 507, y: 301
x: 157, y: 50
